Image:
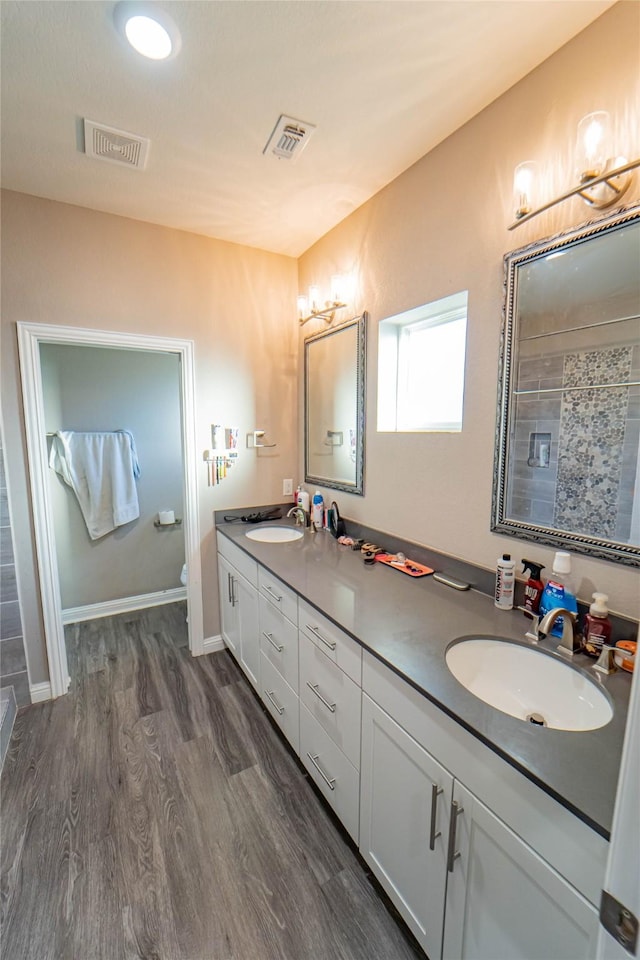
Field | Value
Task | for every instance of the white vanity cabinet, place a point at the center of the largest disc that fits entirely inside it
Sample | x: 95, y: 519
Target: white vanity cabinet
x: 467, y: 882
x: 330, y: 713
x: 404, y: 823
x: 278, y: 620
x: 503, y: 900
x: 237, y: 580
x: 481, y: 863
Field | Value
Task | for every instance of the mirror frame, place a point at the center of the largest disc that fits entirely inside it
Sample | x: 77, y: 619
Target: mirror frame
x: 360, y: 372
x: 602, y: 549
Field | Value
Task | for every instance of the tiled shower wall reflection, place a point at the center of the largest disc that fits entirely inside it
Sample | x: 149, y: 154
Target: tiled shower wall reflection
x: 590, y: 486
x: 13, y: 665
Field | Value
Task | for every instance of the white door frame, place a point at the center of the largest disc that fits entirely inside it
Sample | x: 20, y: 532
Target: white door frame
x: 30, y: 336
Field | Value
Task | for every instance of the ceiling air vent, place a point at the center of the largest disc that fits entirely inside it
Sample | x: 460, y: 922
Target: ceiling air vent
x: 117, y: 146
x: 289, y: 138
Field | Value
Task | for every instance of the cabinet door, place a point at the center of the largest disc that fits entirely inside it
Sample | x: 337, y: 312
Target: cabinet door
x: 228, y: 615
x: 503, y: 901
x: 245, y: 602
x: 404, y: 823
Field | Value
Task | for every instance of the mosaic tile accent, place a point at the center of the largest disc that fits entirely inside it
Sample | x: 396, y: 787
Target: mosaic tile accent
x: 592, y: 428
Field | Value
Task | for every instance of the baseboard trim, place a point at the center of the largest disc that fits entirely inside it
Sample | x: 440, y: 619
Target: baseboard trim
x: 40, y: 692
x: 108, y: 608
x: 212, y: 644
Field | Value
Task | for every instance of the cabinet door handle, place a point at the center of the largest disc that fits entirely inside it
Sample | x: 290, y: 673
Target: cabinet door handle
x: 230, y: 595
x: 452, y: 854
x: 433, y: 836
x: 331, y: 783
x: 232, y: 581
x: 273, y: 594
x: 274, y: 702
x: 276, y: 646
x: 314, y: 688
x: 316, y: 633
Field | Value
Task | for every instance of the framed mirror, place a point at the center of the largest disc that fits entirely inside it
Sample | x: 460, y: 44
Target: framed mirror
x: 567, y: 469
x: 334, y: 398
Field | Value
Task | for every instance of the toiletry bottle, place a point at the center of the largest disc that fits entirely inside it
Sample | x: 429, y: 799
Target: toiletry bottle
x: 559, y: 591
x: 317, y: 515
x: 597, y: 626
x: 303, y: 499
x: 533, y: 587
x: 505, y: 582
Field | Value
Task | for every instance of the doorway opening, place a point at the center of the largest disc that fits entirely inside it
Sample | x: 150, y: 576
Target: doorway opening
x: 36, y: 341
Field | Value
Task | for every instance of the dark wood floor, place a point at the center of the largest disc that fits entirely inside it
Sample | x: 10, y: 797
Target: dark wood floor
x: 155, y: 813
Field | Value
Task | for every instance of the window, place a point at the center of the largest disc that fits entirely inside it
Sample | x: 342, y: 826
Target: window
x: 421, y: 367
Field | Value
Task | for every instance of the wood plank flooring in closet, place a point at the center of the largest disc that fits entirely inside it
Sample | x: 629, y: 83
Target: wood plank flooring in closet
x: 155, y: 813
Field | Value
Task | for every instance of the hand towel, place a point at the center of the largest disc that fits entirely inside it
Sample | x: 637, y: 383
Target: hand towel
x: 101, y: 469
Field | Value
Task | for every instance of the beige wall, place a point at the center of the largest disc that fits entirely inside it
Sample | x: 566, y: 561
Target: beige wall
x: 75, y: 267
x: 440, y: 228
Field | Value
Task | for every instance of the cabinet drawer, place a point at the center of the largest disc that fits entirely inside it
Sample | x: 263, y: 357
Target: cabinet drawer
x: 279, y: 642
x: 281, y: 702
x: 337, y: 779
x: 332, y: 698
x: 240, y: 560
x: 279, y: 594
x: 331, y: 640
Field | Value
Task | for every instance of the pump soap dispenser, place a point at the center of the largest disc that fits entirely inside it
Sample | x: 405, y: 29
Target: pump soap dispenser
x: 597, y: 626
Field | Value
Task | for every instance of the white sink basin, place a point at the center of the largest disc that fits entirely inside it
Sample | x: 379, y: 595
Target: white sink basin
x: 528, y: 684
x: 274, y: 534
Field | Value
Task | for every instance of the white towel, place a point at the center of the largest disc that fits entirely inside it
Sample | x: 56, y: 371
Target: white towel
x: 101, y: 469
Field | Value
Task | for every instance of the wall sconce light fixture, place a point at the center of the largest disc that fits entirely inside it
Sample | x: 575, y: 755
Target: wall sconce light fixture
x: 311, y: 307
x: 602, y: 178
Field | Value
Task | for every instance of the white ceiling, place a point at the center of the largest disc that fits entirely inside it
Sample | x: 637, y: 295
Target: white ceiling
x: 384, y: 81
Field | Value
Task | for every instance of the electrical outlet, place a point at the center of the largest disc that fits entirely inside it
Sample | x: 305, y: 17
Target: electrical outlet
x: 287, y: 488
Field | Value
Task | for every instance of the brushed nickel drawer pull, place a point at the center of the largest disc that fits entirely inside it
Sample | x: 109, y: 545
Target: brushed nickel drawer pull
x: 330, y: 783
x: 433, y: 836
x: 275, y: 702
x: 329, y: 643
x: 452, y: 854
x: 269, y: 637
x: 314, y: 687
x: 234, y: 599
x: 273, y: 594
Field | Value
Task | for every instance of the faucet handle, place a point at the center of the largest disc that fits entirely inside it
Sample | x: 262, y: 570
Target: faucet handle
x: 606, y: 662
x: 533, y: 632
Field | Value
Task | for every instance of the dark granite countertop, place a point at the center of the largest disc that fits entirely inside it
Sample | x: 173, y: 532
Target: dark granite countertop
x: 407, y: 623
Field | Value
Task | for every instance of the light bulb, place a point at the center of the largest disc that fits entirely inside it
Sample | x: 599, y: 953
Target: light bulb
x: 303, y: 306
x: 314, y: 298
x: 524, y: 183
x: 337, y: 288
x: 593, y: 148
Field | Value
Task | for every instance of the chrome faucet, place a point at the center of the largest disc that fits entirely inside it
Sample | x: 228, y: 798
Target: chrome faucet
x: 301, y: 515
x: 571, y: 641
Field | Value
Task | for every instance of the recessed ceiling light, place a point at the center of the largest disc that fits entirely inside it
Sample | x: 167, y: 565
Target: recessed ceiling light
x: 149, y: 29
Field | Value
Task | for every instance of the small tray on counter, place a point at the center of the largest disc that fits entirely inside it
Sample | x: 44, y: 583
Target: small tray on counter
x: 411, y: 567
